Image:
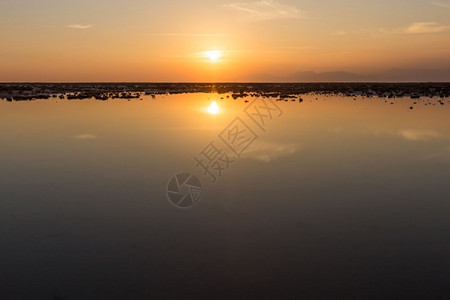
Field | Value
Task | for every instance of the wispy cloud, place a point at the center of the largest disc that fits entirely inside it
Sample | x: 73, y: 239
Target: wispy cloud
x: 441, y: 4
x: 189, y: 34
x: 294, y: 48
x: 413, y: 135
x: 414, y: 28
x: 265, y: 10
x: 339, y: 33
x: 267, y: 152
x: 85, y: 136
x: 421, y: 135
x: 79, y: 26
x: 426, y: 27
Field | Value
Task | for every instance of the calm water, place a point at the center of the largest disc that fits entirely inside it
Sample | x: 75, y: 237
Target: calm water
x: 335, y: 199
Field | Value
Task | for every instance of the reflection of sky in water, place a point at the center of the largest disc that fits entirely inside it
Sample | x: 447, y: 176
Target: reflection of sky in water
x: 339, y: 198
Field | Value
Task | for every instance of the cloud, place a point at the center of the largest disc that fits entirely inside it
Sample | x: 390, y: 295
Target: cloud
x: 267, y: 152
x: 426, y: 27
x: 79, y: 26
x: 414, y: 135
x: 414, y: 28
x: 293, y: 48
x: 421, y: 135
x: 441, y: 4
x: 339, y: 33
x: 84, y: 136
x: 264, y: 10
x: 190, y: 34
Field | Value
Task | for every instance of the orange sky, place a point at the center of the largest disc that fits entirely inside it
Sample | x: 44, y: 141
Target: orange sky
x: 165, y: 40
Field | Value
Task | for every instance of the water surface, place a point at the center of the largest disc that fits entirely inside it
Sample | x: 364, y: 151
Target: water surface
x: 337, y: 198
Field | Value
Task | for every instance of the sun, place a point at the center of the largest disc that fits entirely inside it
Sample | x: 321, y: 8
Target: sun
x: 213, y: 109
x: 213, y: 55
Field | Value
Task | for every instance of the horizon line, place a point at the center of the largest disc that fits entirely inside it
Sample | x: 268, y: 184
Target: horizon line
x: 209, y: 82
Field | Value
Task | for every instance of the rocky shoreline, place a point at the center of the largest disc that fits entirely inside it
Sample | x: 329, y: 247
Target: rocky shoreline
x: 282, y: 91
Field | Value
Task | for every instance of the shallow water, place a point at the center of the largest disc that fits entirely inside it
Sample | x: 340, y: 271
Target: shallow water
x: 333, y: 198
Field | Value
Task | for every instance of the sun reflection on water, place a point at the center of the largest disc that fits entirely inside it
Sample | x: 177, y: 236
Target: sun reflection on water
x: 213, y: 109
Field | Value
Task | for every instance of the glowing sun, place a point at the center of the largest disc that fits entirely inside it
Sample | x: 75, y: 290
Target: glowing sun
x: 213, y: 55
x: 213, y: 109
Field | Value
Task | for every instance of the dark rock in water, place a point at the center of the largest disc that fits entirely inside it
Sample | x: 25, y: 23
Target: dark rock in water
x: 241, y: 94
x: 105, y: 91
x: 411, y: 107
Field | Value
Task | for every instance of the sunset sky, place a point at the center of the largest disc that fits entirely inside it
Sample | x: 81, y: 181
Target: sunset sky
x: 217, y: 40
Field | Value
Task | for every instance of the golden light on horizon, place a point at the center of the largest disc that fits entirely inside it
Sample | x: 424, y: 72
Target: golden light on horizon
x: 239, y: 41
x: 213, y: 109
x: 213, y: 55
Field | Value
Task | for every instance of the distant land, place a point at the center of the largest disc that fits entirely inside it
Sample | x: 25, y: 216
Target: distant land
x: 392, y: 75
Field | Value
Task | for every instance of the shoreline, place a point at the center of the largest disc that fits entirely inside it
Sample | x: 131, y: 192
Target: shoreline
x: 105, y: 91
